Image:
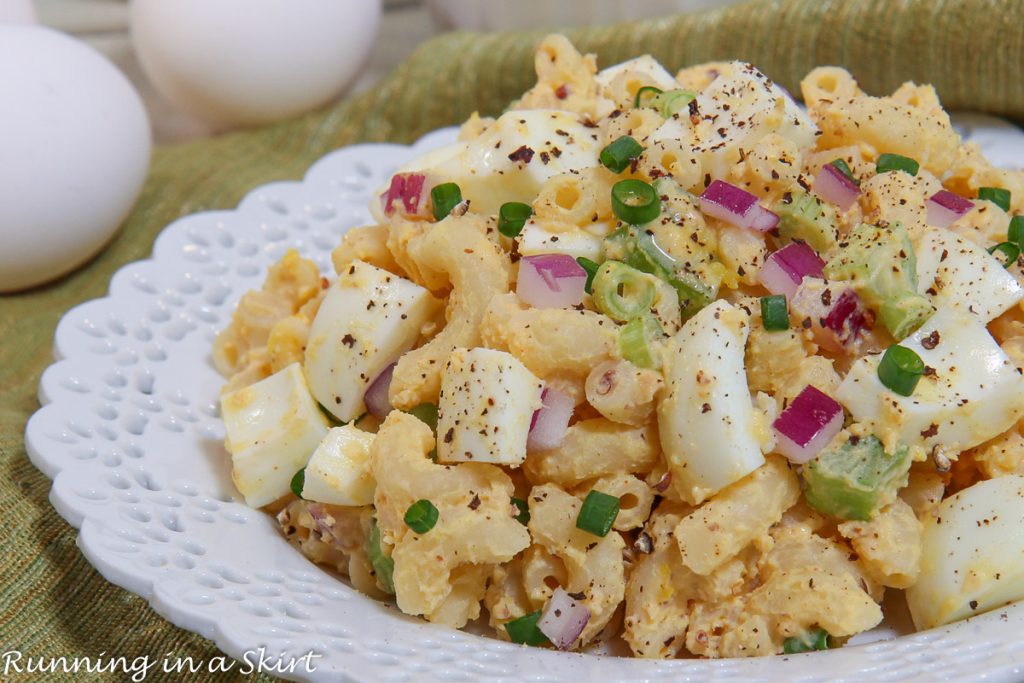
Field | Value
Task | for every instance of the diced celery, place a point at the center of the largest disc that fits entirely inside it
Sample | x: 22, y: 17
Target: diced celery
x: 856, y: 479
x: 904, y: 313
x: 383, y: 566
x: 807, y: 218
x: 880, y: 263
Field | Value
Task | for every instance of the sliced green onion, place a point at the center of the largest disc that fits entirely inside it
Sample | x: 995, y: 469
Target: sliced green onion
x: 591, y: 268
x: 598, y: 513
x: 524, y: 630
x: 670, y: 102
x: 775, y: 313
x: 900, y: 369
x: 896, y: 162
x: 512, y: 216
x: 444, y: 198
x: 1007, y: 253
x: 845, y: 168
x: 382, y: 565
x: 298, y: 481
x: 621, y: 292
x: 421, y: 516
x: 996, y: 195
x: 637, y: 340
x: 815, y: 639
x: 332, y: 418
x: 644, y: 96
x: 427, y: 413
x: 1015, y: 233
x: 524, y: 511
x: 635, y: 202
x: 618, y: 155
x: 639, y: 250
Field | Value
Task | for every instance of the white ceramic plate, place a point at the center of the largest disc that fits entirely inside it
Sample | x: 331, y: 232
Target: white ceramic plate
x: 129, y: 433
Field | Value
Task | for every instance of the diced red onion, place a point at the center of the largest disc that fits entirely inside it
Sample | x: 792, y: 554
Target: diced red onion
x: 944, y: 207
x: 846, y: 318
x: 326, y: 524
x: 837, y: 315
x: 551, y: 281
x: 736, y: 206
x: 409, y: 189
x: 785, y: 269
x: 376, y: 397
x: 549, y: 424
x: 835, y: 187
x: 807, y: 425
x: 762, y: 219
x: 563, y: 619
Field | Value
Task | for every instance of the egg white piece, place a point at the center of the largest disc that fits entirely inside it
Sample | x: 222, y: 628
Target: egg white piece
x: 972, y: 554
x: 487, y: 402
x: 975, y: 393
x: 706, y: 420
x: 272, y: 428
x: 368, y: 318
x: 648, y: 67
x: 517, y: 154
x: 734, y: 111
x: 339, y: 470
x: 954, y: 271
x: 534, y: 240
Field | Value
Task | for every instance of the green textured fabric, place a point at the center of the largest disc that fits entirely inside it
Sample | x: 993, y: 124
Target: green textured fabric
x: 52, y: 602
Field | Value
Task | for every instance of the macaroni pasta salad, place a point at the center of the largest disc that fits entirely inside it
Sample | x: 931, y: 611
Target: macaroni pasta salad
x: 665, y: 362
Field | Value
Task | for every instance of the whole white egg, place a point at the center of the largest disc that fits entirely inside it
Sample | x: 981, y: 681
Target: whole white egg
x: 246, y: 62
x: 17, y: 11
x: 74, y: 150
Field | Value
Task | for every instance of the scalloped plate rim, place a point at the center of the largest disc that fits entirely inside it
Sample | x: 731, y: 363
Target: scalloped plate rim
x: 212, y: 628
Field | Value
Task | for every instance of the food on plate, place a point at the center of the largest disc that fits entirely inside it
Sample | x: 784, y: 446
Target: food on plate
x: 661, y: 363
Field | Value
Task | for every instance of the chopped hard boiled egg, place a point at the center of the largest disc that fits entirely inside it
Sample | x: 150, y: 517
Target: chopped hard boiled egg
x: 272, y: 428
x: 646, y: 67
x: 339, y: 473
x: 736, y: 110
x: 706, y: 421
x: 971, y: 554
x: 368, y: 318
x: 517, y: 154
x: 487, y: 402
x: 954, y: 271
x: 971, y: 390
x: 534, y: 240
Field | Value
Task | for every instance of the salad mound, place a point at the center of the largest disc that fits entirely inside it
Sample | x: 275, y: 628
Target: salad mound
x: 666, y: 365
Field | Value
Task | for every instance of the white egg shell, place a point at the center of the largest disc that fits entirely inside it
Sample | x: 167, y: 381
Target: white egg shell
x: 972, y: 555
x: 74, y: 149
x: 246, y: 62
x: 17, y: 11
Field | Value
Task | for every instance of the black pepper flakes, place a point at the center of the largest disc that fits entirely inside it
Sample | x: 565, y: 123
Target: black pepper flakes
x: 524, y: 154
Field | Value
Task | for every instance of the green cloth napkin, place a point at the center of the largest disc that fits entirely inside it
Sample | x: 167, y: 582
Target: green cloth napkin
x: 52, y: 602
